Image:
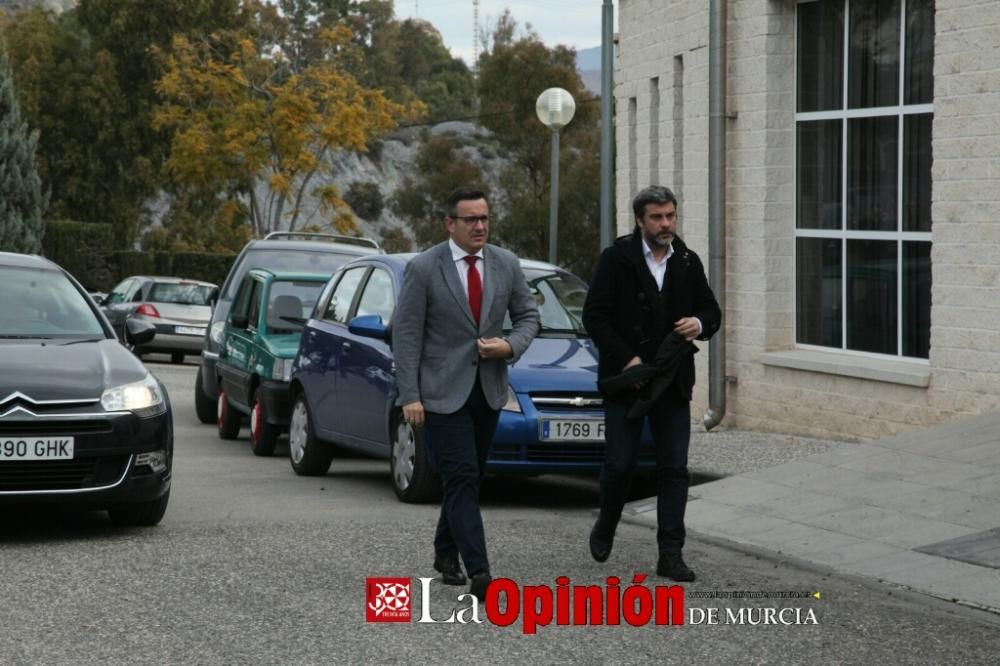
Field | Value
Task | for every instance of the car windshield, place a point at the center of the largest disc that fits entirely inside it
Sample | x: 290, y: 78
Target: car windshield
x: 290, y: 300
x: 43, y: 303
x: 560, y: 298
x: 284, y: 259
x: 181, y: 293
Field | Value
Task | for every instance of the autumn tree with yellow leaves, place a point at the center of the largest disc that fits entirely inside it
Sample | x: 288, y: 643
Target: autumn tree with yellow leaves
x: 251, y: 125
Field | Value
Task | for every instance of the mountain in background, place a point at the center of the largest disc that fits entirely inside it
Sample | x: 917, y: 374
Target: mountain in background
x: 588, y: 63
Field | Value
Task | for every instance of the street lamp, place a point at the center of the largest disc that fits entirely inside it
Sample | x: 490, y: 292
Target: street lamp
x: 555, y: 108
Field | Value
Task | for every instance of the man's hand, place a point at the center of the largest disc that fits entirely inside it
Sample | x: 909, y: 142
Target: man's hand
x: 413, y: 413
x: 689, y: 327
x: 635, y: 361
x: 494, y: 348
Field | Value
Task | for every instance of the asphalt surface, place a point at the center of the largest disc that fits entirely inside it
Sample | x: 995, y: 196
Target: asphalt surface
x: 253, y: 565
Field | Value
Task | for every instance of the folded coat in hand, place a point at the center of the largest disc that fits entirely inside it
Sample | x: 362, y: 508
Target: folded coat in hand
x: 658, y: 375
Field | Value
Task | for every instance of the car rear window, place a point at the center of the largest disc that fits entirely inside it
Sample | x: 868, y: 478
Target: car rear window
x: 284, y: 259
x: 181, y: 293
x: 42, y: 303
x: 294, y: 299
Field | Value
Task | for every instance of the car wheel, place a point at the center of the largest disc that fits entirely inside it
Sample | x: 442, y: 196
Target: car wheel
x: 226, y: 418
x: 263, y: 435
x: 309, y: 455
x: 139, y: 514
x: 204, y: 406
x: 176, y: 358
x: 412, y: 477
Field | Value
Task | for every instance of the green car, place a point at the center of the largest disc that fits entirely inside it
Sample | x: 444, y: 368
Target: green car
x: 259, y: 342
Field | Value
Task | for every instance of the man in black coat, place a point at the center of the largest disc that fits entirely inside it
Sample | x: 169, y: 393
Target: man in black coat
x: 645, y: 286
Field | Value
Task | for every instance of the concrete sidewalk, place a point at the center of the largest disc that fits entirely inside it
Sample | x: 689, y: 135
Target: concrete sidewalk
x: 920, y: 510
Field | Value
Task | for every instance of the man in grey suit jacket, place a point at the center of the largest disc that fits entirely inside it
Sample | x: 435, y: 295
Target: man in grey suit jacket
x: 451, y: 360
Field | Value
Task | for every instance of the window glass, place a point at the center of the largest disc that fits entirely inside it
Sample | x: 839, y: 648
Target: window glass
x: 181, y: 293
x: 819, y: 291
x: 285, y: 259
x: 917, y: 172
x: 378, y: 297
x: 820, y: 63
x: 255, y: 296
x: 117, y: 294
x: 916, y: 299
x: 243, y: 296
x: 289, y: 304
x: 559, y: 296
x: 873, y: 60
x: 819, y: 160
x: 871, y: 296
x: 872, y: 180
x: 343, y: 295
x: 43, y: 304
x: 919, y: 81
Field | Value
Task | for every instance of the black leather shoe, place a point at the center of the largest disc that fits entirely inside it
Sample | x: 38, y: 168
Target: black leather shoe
x: 480, y: 582
x: 600, y: 544
x: 673, y: 567
x: 451, y: 572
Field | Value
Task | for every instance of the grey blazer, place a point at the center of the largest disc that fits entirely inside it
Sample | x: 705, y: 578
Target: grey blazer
x: 434, y: 334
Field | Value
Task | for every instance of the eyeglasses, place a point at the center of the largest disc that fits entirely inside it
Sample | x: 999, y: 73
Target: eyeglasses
x: 472, y: 220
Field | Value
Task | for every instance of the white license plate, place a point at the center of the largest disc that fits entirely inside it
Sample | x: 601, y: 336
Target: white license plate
x: 35, y: 448
x: 189, y: 330
x: 571, y: 430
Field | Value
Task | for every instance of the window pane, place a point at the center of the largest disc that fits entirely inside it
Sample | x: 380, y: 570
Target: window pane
x: 820, y: 55
x: 917, y: 172
x: 871, y: 296
x: 916, y: 299
x: 818, y: 291
x: 819, y: 147
x: 873, y: 60
x: 919, y: 70
x: 871, y: 173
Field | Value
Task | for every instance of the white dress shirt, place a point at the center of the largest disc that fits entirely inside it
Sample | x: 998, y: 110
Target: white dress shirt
x: 459, y: 255
x: 659, y: 269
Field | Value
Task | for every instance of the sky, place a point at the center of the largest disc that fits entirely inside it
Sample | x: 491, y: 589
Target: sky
x: 575, y: 23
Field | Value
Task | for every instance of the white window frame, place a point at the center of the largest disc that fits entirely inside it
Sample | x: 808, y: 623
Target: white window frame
x: 844, y: 114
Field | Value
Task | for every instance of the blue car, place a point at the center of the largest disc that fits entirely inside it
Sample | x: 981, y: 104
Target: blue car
x: 343, y: 387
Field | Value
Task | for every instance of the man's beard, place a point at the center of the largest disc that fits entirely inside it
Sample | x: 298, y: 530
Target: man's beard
x: 662, y: 240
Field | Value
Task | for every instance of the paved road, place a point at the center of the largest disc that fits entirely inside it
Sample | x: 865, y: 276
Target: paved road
x: 253, y: 565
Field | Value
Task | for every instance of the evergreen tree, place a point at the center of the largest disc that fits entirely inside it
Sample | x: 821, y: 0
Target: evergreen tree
x: 22, y: 202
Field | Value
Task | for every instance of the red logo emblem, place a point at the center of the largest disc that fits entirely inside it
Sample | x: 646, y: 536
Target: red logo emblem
x: 387, y: 599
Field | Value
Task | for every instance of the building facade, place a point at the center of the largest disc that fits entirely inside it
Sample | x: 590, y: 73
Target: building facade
x: 862, y: 200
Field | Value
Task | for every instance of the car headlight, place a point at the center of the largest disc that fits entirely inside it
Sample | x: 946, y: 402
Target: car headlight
x: 216, y: 332
x: 155, y: 460
x: 282, y: 370
x: 144, y: 397
x: 512, y: 404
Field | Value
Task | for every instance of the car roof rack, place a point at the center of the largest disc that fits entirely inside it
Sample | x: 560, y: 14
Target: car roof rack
x: 309, y: 235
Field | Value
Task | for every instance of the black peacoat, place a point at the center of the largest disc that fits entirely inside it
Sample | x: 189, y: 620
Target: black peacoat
x: 627, y: 315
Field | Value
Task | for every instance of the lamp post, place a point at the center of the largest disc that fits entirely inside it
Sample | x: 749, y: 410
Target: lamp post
x: 555, y: 108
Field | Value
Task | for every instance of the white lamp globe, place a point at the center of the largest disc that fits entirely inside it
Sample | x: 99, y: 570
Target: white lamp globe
x: 555, y: 108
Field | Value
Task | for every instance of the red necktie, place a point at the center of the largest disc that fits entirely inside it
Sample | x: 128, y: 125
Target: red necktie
x: 475, y: 288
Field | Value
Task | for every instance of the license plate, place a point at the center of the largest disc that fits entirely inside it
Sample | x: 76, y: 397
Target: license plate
x: 36, y: 448
x: 189, y: 330
x: 572, y: 430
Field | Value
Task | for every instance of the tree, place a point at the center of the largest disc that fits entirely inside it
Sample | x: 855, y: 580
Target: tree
x: 22, y: 201
x: 440, y: 168
x: 512, y: 74
x: 241, y: 115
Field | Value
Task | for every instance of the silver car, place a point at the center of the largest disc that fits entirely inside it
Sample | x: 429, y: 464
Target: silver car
x: 180, y: 310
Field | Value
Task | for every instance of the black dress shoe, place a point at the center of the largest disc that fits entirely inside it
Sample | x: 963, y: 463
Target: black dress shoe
x: 451, y: 572
x: 480, y: 582
x: 600, y: 544
x: 673, y: 567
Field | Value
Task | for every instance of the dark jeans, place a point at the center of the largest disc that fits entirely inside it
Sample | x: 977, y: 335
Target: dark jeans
x: 670, y: 421
x: 459, y: 443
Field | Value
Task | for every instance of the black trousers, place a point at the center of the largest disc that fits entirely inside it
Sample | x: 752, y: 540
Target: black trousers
x: 459, y: 444
x: 670, y: 422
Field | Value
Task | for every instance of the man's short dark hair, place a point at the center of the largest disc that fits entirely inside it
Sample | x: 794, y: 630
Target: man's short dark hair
x: 463, y: 194
x: 654, y: 194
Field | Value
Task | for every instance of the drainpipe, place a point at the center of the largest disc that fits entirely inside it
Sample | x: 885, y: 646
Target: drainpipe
x: 717, y: 207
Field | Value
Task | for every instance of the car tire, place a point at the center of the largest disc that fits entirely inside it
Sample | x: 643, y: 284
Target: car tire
x: 176, y: 358
x: 204, y: 406
x: 263, y: 435
x: 309, y: 455
x: 139, y: 514
x: 413, y: 480
x: 226, y: 418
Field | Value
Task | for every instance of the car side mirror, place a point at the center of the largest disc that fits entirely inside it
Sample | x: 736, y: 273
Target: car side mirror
x: 240, y: 321
x: 369, y: 326
x: 138, y: 332
x: 213, y: 297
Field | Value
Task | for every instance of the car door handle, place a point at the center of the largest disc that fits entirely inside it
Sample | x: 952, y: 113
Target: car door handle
x: 345, y: 345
